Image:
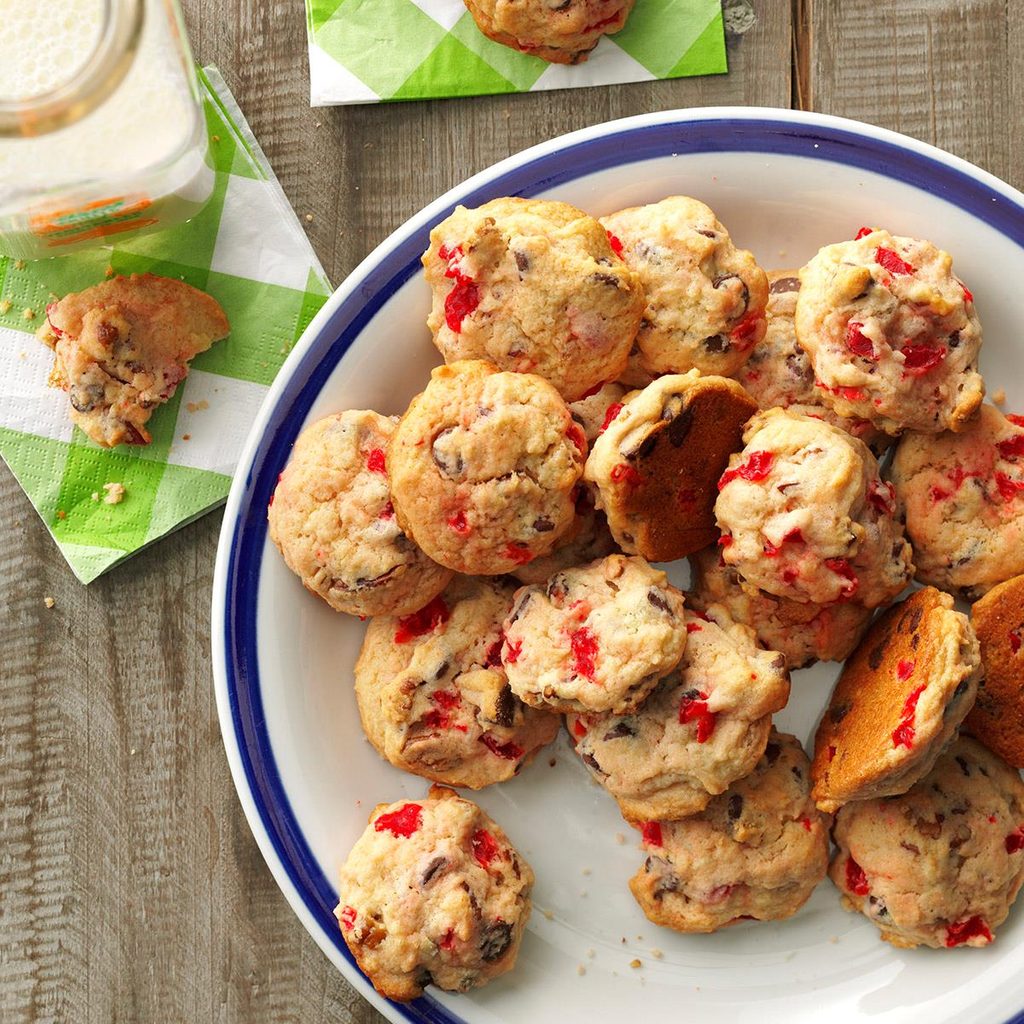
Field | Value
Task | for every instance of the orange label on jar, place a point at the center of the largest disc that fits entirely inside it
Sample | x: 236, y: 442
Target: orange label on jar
x: 92, y: 220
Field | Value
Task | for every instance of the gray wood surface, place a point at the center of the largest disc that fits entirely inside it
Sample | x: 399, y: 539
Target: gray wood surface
x: 130, y: 887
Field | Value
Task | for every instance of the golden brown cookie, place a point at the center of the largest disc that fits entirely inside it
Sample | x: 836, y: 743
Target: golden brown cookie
x: 657, y: 463
x: 558, y: 31
x: 122, y: 347
x: 899, y: 700
x: 997, y: 718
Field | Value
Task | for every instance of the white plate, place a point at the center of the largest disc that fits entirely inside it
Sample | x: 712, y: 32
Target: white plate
x: 784, y: 183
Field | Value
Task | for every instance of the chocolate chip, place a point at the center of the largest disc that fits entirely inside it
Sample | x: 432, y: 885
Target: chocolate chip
x: 521, y: 606
x: 877, y: 653
x: 910, y: 847
x: 717, y: 343
x: 771, y: 753
x: 735, y: 806
x: 644, y: 448
x: 451, y: 464
x: 666, y: 884
x: 695, y: 694
x: 795, y: 769
x: 707, y: 234
x: 85, y: 397
x: 505, y: 707
x: 954, y: 340
x: 961, y: 689
x: 441, y: 670
x: 657, y: 598
x: 915, y: 619
x: 621, y: 729
x: 839, y: 711
x: 543, y: 524
x: 557, y: 588
x: 607, y: 279
x: 719, y: 281
x: 785, y: 284
x: 495, y: 941
x: 106, y: 333
x: 522, y: 260
x: 679, y: 428
x: 591, y: 762
x: 964, y: 766
x: 432, y: 869
x: 367, y: 582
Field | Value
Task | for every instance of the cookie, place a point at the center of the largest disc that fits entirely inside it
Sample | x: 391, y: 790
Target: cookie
x: 705, y: 298
x: 657, y: 462
x: 535, y: 287
x: 332, y: 519
x: 898, y: 701
x: 594, y: 638
x: 804, y: 633
x: 940, y: 865
x: 593, y: 412
x: 122, y: 347
x: 558, y: 31
x: 756, y: 851
x: 892, y: 334
x: 804, y: 515
x: 704, y: 726
x: 433, y: 696
x: 433, y: 892
x: 778, y: 373
x: 587, y: 540
x: 997, y: 718
x: 964, y: 500
x: 483, y: 468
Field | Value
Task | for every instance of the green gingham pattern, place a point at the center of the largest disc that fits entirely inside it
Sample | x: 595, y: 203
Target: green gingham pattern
x: 247, y: 249
x: 364, y: 51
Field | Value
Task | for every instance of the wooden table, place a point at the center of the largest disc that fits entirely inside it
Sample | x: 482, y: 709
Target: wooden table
x: 130, y: 886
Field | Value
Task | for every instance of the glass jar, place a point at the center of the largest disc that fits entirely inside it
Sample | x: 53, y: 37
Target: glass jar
x: 102, y: 132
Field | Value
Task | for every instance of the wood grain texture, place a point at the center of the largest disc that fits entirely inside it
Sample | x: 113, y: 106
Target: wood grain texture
x: 130, y: 886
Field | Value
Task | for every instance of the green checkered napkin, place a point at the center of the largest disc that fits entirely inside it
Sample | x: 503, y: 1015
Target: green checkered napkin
x: 247, y: 249
x: 363, y: 51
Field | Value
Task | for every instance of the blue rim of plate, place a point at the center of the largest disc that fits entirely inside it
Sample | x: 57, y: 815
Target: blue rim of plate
x: 681, y: 133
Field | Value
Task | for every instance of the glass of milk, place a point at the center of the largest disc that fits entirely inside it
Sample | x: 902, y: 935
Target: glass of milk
x: 102, y: 133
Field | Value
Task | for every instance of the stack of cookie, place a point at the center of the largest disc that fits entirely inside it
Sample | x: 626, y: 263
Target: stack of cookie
x: 637, y: 390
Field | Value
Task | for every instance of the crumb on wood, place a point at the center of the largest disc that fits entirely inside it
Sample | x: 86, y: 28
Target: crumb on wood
x: 5, y: 305
x: 309, y: 218
x: 132, y: 751
x: 999, y: 396
x: 197, y: 406
x: 115, y: 493
x: 28, y: 313
x: 49, y: 601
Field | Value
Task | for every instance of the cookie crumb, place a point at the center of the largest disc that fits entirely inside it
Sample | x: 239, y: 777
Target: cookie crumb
x: 583, y: 894
x: 215, y: 138
x: 49, y: 601
x: 584, y: 871
x: 581, y: 970
x: 132, y: 751
x: 657, y: 953
x: 309, y: 218
x: 5, y: 305
x: 19, y: 264
x: 115, y: 493
x: 95, y: 495
x: 548, y: 915
x: 109, y: 271
x: 999, y: 396
x: 833, y: 939
x: 620, y: 839
x: 197, y: 406
x: 186, y: 437
x: 316, y: 124
x: 591, y: 953
x: 61, y: 514
x: 635, y: 964
x: 28, y: 313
